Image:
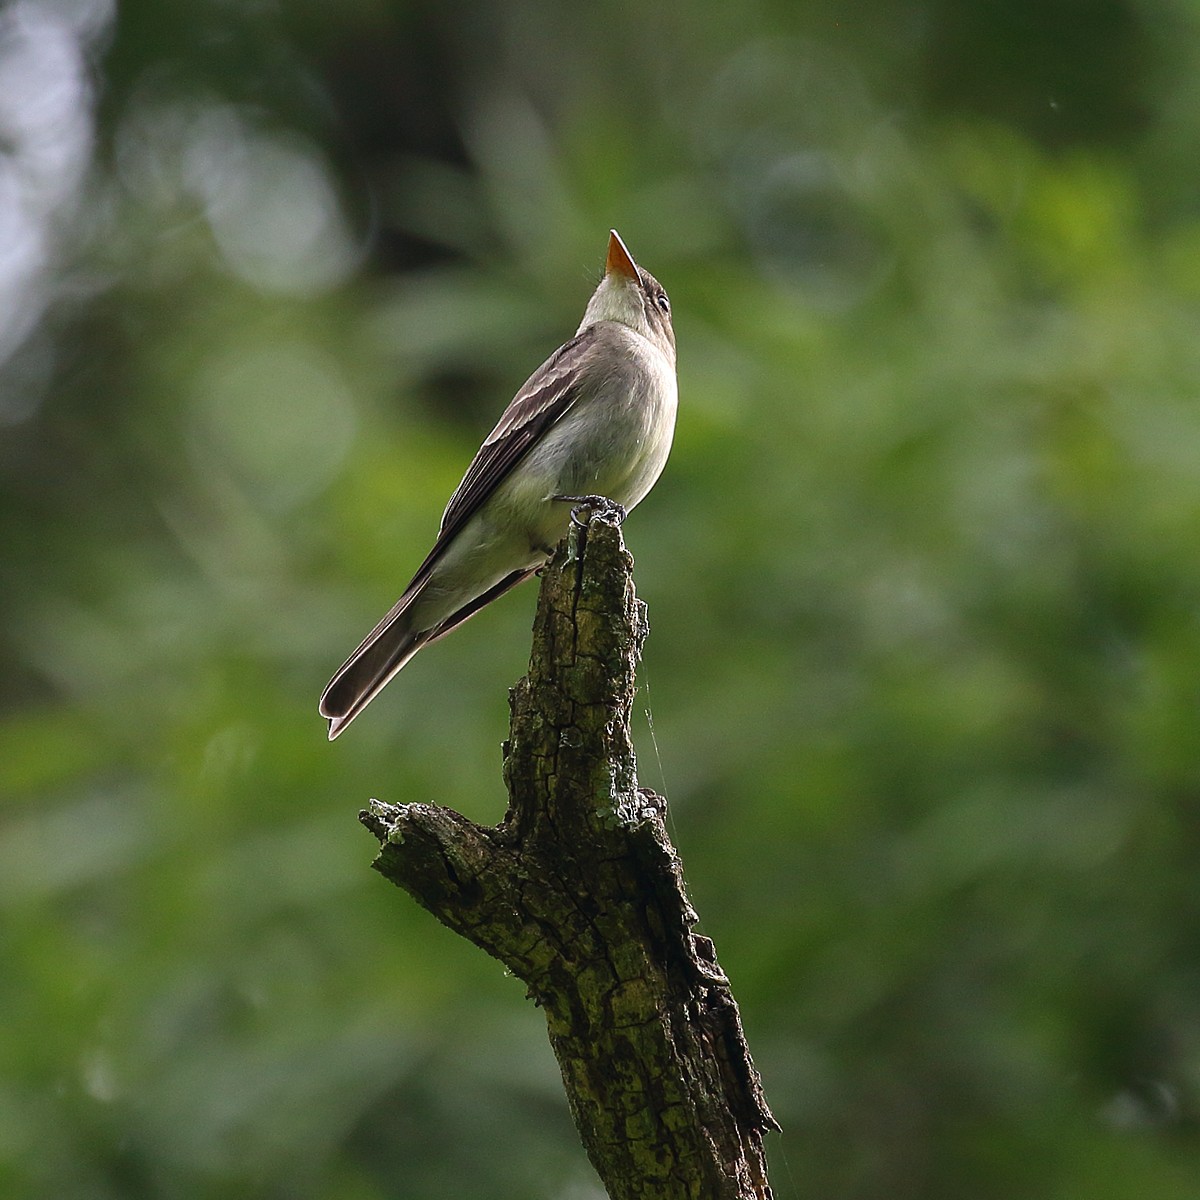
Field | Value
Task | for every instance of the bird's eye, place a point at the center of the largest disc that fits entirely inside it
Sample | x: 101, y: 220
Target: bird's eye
x: 663, y: 303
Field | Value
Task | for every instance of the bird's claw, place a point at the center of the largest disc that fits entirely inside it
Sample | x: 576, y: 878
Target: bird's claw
x: 594, y: 506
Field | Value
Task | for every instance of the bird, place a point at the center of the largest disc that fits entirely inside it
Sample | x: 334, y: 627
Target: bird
x: 593, y: 424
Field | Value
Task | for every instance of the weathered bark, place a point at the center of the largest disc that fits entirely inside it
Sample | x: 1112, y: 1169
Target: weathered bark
x: 580, y: 893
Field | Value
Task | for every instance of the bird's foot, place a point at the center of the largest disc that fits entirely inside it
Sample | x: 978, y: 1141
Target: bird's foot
x: 594, y: 506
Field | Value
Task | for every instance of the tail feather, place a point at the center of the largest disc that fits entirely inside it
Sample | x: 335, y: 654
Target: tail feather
x: 365, y: 673
x: 455, y: 619
x: 387, y: 648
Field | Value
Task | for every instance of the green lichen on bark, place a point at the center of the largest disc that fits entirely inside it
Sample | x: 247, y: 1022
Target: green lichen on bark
x: 580, y: 893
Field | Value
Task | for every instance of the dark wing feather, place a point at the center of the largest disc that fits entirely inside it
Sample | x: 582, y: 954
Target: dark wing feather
x: 547, y: 394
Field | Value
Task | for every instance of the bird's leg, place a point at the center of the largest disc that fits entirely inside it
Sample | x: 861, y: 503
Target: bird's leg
x: 597, y: 506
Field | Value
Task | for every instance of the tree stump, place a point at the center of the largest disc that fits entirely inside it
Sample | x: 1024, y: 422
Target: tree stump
x: 580, y: 893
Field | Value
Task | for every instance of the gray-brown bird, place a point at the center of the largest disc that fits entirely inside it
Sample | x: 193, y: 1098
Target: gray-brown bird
x: 596, y: 419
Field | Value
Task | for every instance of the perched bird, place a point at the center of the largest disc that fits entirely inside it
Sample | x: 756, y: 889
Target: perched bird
x: 593, y: 422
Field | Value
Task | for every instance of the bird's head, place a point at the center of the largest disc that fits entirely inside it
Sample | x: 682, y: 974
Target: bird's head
x: 632, y: 297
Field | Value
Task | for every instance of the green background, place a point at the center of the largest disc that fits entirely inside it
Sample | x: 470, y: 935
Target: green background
x: 923, y: 683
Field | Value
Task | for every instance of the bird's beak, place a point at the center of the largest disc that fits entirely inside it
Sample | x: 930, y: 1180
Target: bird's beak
x: 619, y: 261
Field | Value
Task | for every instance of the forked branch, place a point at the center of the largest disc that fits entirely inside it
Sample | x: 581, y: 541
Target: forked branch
x: 580, y: 893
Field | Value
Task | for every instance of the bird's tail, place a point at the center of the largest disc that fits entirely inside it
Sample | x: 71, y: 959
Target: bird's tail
x: 390, y: 645
x: 363, y: 675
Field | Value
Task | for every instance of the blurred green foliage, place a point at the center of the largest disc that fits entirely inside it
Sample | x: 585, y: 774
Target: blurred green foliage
x: 924, y: 575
